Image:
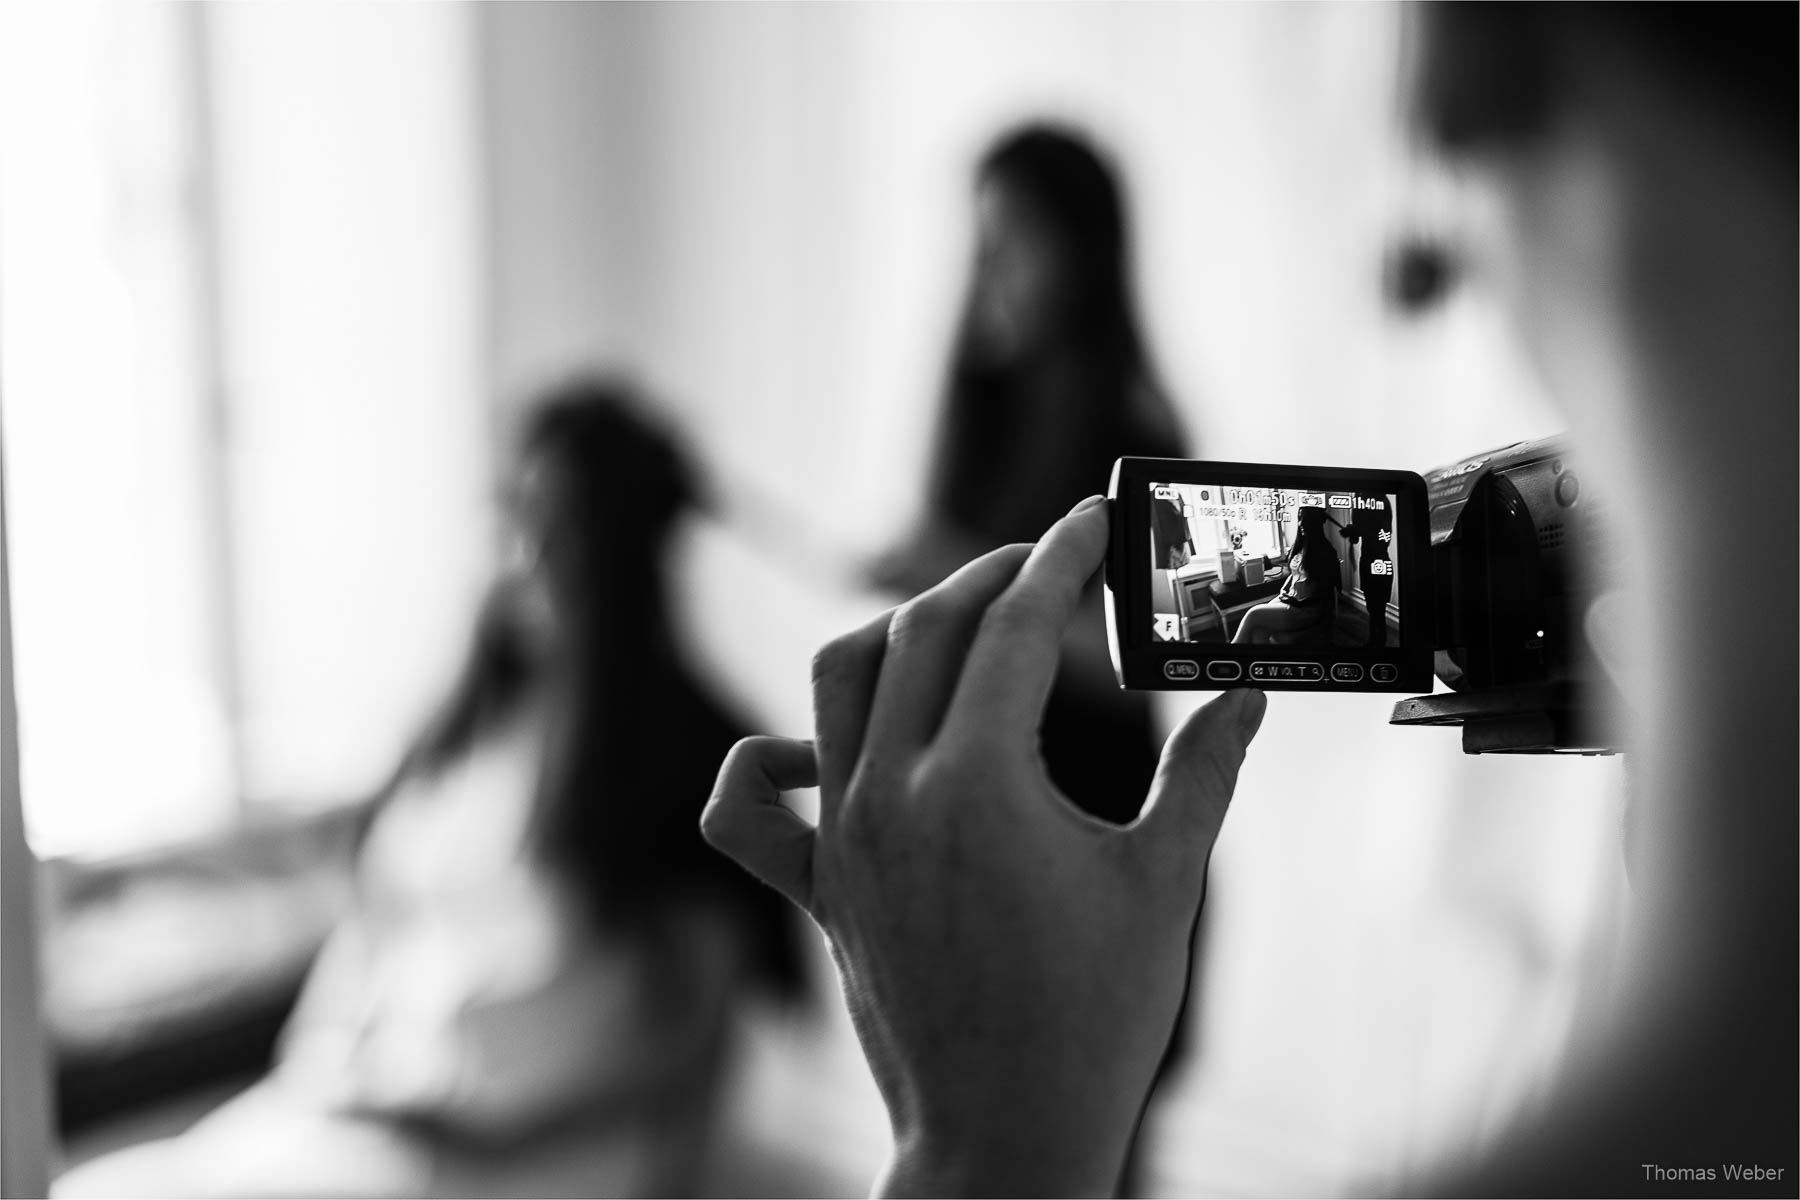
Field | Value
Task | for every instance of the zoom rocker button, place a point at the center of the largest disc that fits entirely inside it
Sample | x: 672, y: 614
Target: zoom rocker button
x: 1181, y: 668
x: 1286, y: 672
x: 1346, y: 672
x: 1224, y: 671
x: 1384, y: 672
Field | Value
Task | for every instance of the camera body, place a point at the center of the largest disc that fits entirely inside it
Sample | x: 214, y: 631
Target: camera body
x: 1304, y: 578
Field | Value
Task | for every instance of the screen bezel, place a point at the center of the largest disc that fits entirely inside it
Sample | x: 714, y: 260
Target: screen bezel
x: 1141, y: 662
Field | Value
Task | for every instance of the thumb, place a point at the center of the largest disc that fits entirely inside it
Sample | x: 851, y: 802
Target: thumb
x: 1198, y: 773
x: 745, y: 819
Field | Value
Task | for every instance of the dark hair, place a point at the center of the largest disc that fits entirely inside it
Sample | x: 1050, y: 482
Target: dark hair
x: 635, y: 742
x: 1309, y: 533
x: 1491, y: 73
x: 979, y: 482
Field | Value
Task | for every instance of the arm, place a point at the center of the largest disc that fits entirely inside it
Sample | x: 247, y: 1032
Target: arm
x: 1013, y: 968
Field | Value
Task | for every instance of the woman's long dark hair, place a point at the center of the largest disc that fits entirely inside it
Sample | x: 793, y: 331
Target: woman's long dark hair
x: 1312, y: 547
x: 634, y: 741
x: 976, y: 484
x: 1309, y: 532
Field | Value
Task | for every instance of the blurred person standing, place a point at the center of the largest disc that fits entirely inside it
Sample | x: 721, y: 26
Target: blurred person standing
x: 1049, y: 382
x: 536, y: 989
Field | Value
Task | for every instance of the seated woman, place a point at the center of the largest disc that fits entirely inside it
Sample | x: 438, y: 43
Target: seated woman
x: 534, y: 992
x: 1306, y: 607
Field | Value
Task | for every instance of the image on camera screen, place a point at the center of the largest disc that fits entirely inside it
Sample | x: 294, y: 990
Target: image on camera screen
x: 1258, y: 566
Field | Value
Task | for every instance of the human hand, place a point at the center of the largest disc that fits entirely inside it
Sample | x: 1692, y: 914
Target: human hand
x: 1013, y: 967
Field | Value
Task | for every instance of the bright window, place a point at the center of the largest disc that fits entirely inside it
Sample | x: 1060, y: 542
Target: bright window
x: 123, y: 656
x: 245, y: 408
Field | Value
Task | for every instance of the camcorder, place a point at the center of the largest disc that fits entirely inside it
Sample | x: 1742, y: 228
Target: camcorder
x: 1328, y: 579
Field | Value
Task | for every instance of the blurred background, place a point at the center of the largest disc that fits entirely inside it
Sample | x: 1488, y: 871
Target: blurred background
x: 280, y: 286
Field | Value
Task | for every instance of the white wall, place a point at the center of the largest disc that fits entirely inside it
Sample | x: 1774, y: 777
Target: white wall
x: 763, y: 211
x: 354, y: 375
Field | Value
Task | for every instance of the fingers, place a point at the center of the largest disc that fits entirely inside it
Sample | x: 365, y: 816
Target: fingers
x: 1012, y: 662
x: 927, y: 642
x: 745, y: 820
x: 1198, y: 773
x: 844, y: 675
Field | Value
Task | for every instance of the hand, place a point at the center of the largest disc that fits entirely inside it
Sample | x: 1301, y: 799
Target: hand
x: 1013, y: 967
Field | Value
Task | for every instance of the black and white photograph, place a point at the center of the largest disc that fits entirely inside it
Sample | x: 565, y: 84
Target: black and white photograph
x: 760, y: 598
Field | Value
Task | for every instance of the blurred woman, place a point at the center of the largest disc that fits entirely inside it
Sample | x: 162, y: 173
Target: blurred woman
x: 1049, y: 382
x: 535, y: 991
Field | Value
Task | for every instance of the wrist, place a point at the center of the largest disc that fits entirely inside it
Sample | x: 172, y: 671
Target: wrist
x: 993, y: 1160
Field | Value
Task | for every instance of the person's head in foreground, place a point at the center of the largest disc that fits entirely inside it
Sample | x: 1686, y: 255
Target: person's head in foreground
x: 1014, y: 969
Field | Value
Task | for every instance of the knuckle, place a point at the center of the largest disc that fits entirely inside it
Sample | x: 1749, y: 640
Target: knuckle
x: 839, y: 664
x: 929, y: 776
x: 739, y: 756
x: 948, y: 770
x: 831, y: 660
x: 918, y: 619
x: 711, y: 822
x: 716, y: 826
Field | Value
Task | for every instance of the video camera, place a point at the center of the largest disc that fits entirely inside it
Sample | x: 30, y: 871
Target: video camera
x: 1295, y: 578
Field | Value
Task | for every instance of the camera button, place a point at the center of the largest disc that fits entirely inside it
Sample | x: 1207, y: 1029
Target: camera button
x: 1346, y: 672
x: 1181, y: 668
x: 1384, y: 672
x: 1224, y: 670
x: 1286, y: 672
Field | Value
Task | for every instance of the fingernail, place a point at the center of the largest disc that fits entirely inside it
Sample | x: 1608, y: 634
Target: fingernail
x: 1087, y: 504
x: 1251, y: 707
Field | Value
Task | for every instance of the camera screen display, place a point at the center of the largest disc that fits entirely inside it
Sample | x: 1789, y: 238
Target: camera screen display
x: 1224, y: 574
x: 1273, y: 566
